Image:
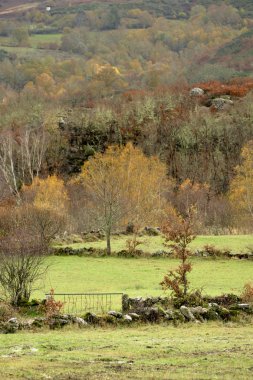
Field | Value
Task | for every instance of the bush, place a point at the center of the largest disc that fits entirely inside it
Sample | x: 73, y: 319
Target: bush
x: 212, y: 251
x: 247, y: 293
x: 192, y: 299
x: 52, y: 307
x: 6, y: 312
x: 130, y: 253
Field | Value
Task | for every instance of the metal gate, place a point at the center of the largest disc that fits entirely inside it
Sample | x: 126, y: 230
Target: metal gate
x: 75, y: 303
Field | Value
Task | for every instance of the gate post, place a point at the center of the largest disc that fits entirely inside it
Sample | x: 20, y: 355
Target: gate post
x: 125, y: 303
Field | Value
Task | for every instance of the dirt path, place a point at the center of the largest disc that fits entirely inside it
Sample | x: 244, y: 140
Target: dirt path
x: 18, y: 8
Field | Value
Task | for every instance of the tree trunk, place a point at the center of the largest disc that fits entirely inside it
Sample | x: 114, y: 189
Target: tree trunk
x: 108, y: 242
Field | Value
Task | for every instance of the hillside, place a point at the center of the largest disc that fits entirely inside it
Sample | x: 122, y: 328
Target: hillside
x: 168, y: 8
x: 237, y: 54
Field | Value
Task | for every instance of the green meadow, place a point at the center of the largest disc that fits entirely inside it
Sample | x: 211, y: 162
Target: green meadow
x: 235, y: 243
x: 141, y: 277
x: 206, y: 351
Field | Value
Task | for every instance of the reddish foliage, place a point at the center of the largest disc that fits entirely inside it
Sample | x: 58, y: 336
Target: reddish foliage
x: 53, y: 307
x: 238, y: 87
x: 135, y: 94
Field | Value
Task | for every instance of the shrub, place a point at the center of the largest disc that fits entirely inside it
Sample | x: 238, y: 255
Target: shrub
x: 247, y: 293
x: 129, y: 253
x: 191, y: 299
x: 52, y: 307
x: 6, y: 312
x: 132, y: 244
x: 212, y: 251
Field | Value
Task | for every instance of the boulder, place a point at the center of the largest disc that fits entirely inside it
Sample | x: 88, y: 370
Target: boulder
x: 127, y: 318
x: 196, y: 91
x: 26, y: 325
x: 115, y: 314
x: 80, y: 321
x: 198, y: 310
x: 169, y: 315
x: 243, y: 306
x: 187, y: 313
x: 91, y: 318
x: 10, y: 327
x: 13, y: 320
x: 150, y: 314
x: 39, y: 322
x: 55, y: 323
x: 134, y: 316
x: 221, y: 103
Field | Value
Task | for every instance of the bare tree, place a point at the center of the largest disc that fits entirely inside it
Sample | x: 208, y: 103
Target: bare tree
x: 25, y: 236
x: 7, y: 164
x: 22, y: 265
x: 21, y: 158
x: 45, y: 224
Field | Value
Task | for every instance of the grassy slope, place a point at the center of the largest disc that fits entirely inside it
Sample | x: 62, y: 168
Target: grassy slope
x: 141, y: 277
x: 208, y: 351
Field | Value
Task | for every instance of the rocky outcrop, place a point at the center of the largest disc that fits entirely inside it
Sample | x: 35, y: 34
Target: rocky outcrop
x: 221, y: 103
x: 196, y: 91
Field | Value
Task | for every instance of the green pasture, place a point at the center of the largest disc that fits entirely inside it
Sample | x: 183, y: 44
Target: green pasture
x: 34, y: 40
x: 235, y: 243
x: 37, y: 39
x: 206, y: 351
x: 141, y: 277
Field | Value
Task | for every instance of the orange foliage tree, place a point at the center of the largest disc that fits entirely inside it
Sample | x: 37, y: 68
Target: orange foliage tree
x: 179, y: 234
x: 125, y: 185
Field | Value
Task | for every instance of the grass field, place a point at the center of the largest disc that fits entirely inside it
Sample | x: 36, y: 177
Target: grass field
x: 236, y: 243
x: 208, y: 351
x: 141, y: 277
x: 35, y: 40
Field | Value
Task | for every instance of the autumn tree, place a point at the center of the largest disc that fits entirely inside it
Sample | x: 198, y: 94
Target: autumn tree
x: 124, y: 185
x: 179, y: 234
x: 241, y: 187
x: 45, y: 207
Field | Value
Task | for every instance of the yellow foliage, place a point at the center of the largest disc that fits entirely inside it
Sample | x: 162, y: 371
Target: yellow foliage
x: 241, y: 189
x: 128, y: 183
x: 49, y: 194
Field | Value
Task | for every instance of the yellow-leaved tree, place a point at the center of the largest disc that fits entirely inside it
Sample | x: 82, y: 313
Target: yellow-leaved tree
x: 45, y: 206
x: 125, y: 185
x: 241, y: 188
x: 50, y: 194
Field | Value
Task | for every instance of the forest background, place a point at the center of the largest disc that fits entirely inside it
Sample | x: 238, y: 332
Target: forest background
x: 79, y: 76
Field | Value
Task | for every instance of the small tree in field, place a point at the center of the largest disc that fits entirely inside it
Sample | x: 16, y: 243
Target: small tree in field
x: 124, y: 185
x: 22, y: 264
x: 179, y: 234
